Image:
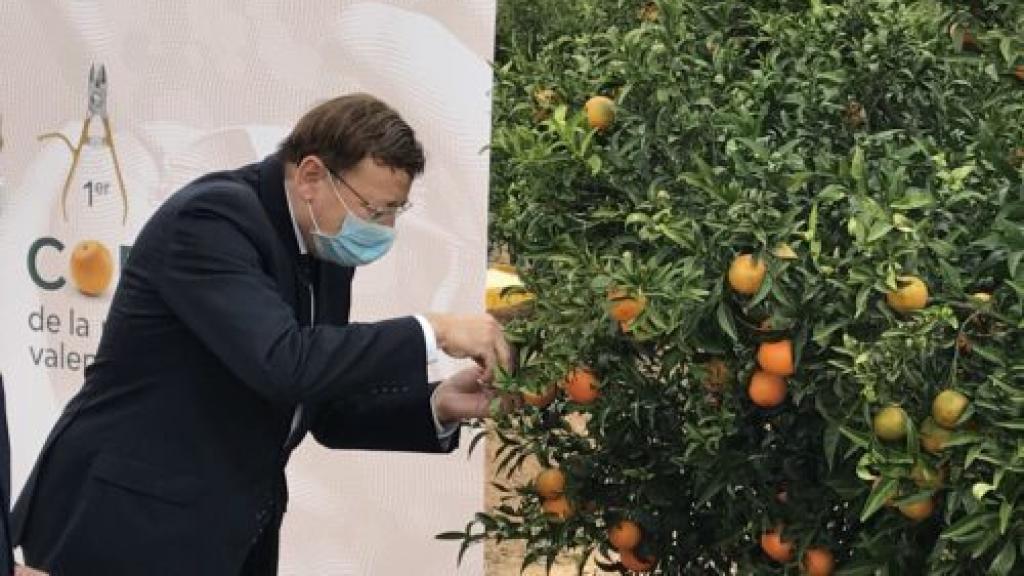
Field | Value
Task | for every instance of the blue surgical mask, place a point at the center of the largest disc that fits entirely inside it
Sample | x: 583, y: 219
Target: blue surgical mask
x: 359, y: 241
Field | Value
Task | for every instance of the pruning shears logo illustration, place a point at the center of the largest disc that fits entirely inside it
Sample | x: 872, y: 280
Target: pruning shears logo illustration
x: 97, y: 107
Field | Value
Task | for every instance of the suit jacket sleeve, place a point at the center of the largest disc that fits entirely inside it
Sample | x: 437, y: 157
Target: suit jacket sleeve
x: 213, y: 278
x: 396, y: 419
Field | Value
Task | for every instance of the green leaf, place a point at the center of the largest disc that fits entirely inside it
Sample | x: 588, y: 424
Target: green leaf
x: 862, y: 301
x: 857, y: 438
x: 828, y: 194
x: 914, y: 200
x: 1005, y: 510
x: 823, y: 332
x: 881, y: 492
x: 595, y: 164
x: 968, y: 526
x: 725, y: 321
x: 879, y: 229
x: 1006, y: 50
x: 988, y: 354
x: 1003, y: 563
x: 857, y: 169
x: 831, y: 442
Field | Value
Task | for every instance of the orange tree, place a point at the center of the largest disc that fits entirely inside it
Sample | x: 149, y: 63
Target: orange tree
x: 780, y: 288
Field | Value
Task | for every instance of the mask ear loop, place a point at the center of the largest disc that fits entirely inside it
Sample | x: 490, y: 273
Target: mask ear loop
x: 309, y: 208
x: 334, y: 188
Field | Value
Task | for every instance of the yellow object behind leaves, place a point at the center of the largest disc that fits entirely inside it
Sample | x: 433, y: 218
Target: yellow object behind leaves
x: 500, y: 277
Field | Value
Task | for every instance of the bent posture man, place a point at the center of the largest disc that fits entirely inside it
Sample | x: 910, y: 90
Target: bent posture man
x: 227, y: 340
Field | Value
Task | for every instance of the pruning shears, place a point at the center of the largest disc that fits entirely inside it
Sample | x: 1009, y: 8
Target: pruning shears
x: 97, y: 107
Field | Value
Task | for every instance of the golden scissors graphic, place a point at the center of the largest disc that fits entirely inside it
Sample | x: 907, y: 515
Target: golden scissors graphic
x: 97, y: 107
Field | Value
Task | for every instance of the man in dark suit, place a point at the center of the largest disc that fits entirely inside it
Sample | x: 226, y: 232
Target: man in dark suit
x: 227, y: 340
x: 7, y: 566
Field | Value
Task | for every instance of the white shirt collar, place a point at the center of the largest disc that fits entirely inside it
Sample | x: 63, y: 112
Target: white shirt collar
x: 295, y: 225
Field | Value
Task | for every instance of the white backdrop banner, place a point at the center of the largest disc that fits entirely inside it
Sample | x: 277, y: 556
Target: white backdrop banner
x: 195, y: 86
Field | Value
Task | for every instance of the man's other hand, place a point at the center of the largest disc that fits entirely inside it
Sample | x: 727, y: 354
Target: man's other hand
x: 476, y: 336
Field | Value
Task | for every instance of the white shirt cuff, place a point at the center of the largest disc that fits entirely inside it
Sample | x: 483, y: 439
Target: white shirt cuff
x: 429, y: 337
x: 444, y: 433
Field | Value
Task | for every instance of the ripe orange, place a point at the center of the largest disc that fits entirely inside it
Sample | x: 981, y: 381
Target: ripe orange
x: 776, y: 548
x: 716, y: 375
x: 624, y: 535
x: 819, y: 562
x: 933, y: 436
x: 625, y: 308
x: 581, y: 386
x: 890, y: 423
x: 767, y: 390
x: 543, y: 399
x: 550, y: 483
x: 948, y: 407
x: 558, y: 509
x: 919, y: 510
x: 911, y: 294
x: 1018, y: 71
x: 776, y: 357
x: 91, y: 267
x: 746, y: 274
x: 600, y: 112
x: 634, y: 563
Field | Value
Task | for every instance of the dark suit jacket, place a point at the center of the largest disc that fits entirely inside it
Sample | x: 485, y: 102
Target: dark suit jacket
x: 6, y: 560
x: 170, y: 460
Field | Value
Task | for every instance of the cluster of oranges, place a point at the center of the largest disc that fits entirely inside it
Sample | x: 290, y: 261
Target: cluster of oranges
x: 767, y: 387
x: 890, y: 425
x: 817, y: 561
x: 581, y: 385
x: 550, y: 486
x: 624, y: 536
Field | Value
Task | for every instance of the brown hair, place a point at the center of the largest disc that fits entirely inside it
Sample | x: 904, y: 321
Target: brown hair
x: 346, y: 129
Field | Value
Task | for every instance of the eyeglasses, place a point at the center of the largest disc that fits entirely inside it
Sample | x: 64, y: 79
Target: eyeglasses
x: 374, y: 213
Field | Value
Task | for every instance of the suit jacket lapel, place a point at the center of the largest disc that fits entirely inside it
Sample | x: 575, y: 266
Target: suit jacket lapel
x: 268, y: 181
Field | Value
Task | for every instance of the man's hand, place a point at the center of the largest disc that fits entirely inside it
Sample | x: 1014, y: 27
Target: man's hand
x: 25, y: 571
x: 476, y: 336
x: 462, y: 396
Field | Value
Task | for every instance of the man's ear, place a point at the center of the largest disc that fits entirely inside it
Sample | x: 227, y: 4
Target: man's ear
x: 308, y: 174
